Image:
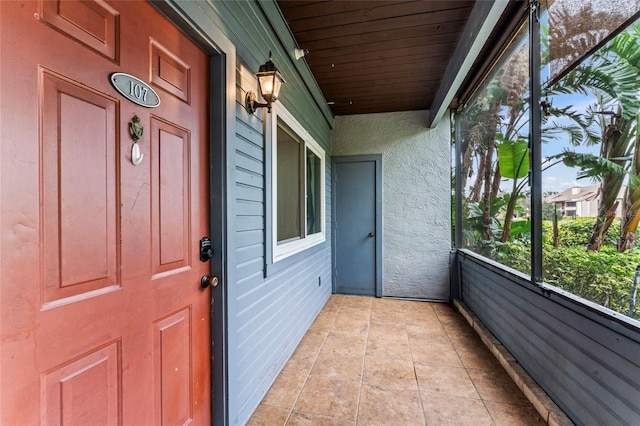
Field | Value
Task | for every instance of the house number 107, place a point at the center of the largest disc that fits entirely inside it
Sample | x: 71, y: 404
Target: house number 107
x: 138, y: 91
x: 134, y: 89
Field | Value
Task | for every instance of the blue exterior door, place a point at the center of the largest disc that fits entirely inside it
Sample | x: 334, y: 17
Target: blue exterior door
x: 357, y: 225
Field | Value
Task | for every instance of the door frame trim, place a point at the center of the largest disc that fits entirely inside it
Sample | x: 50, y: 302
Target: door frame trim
x: 222, y: 84
x: 377, y: 159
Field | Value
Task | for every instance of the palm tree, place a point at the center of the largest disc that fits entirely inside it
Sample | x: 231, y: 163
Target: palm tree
x: 499, y: 114
x: 615, y: 147
x: 627, y: 46
x: 631, y: 202
x: 613, y: 75
x: 496, y: 121
x: 496, y: 116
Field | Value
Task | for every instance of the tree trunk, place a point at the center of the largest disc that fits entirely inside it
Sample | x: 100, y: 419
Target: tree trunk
x: 467, y: 162
x: 556, y: 235
x: 495, y: 185
x: 508, y: 217
x: 613, y: 146
x: 631, y: 203
x: 627, y: 241
x: 601, y: 227
x: 630, y: 220
x: 487, y: 235
x: 474, y: 195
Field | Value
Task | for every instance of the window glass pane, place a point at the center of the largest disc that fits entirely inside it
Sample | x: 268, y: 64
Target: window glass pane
x: 495, y: 162
x: 288, y: 183
x: 592, y: 164
x: 314, y: 211
x: 577, y: 26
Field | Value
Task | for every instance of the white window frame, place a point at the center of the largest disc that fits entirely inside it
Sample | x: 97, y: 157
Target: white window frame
x: 289, y: 248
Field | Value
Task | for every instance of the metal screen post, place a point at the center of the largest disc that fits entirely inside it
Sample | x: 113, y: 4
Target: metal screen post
x: 458, y: 176
x: 535, y: 146
x: 634, y: 292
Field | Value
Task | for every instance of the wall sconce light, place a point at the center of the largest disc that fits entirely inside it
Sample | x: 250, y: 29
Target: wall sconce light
x: 269, y: 82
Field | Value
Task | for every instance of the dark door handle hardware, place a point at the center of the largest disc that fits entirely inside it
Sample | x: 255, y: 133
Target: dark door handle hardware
x: 371, y: 235
x: 206, y: 252
x: 208, y: 281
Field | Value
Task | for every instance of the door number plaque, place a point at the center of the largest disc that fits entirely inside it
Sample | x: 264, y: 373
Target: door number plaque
x: 134, y: 89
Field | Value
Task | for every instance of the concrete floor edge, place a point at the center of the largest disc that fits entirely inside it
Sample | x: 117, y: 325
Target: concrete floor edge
x: 545, y: 406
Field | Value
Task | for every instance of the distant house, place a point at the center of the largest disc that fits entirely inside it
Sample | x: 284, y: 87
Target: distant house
x: 582, y: 201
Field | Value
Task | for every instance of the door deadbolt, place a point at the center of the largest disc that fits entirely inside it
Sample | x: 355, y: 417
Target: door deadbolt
x: 206, y: 252
x: 208, y: 281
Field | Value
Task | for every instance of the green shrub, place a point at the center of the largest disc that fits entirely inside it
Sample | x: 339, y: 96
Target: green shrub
x: 604, y: 277
x: 576, y: 232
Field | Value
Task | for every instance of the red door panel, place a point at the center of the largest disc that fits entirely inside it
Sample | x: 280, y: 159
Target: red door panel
x: 85, y: 391
x: 170, y: 154
x: 79, y: 250
x: 102, y: 317
x: 174, y: 370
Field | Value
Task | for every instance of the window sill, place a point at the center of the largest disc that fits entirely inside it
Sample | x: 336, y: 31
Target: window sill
x: 284, y: 262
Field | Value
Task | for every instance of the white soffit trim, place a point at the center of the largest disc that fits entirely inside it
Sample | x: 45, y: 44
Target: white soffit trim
x: 450, y: 86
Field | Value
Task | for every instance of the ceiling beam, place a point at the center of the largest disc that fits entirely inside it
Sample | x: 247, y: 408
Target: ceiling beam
x: 483, y: 19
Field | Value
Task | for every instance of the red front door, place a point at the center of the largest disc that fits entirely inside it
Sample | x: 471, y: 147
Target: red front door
x: 102, y: 317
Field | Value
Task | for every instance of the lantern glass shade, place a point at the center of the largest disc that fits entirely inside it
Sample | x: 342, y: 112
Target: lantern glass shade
x: 270, y: 82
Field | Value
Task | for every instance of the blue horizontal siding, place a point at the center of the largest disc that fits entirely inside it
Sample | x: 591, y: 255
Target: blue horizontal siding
x: 299, y: 280
x: 249, y: 238
x: 281, y: 311
x: 249, y: 178
x: 585, y: 359
x: 254, y: 121
x: 247, y: 253
x: 268, y: 338
x: 246, y: 131
x: 249, y: 193
x: 572, y: 367
x: 249, y: 268
x: 249, y: 207
x: 253, y: 281
x: 246, y: 162
x: 250, y: 223
x: 272, y: 313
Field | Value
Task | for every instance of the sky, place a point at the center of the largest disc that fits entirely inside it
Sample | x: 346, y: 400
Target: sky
x: 560, y: 177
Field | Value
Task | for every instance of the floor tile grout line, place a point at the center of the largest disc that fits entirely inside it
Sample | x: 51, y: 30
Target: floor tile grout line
x: 320, y: 415
x: 314, y: 361
x: 364, y: 359
x: 355, y: 420
x: 466, y: 369
x: 415, y: 373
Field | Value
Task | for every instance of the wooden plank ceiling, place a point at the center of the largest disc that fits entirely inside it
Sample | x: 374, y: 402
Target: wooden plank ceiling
x: 377, y: 56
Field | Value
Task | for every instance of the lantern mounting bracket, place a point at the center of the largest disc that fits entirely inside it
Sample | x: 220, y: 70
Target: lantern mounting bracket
x: 252, y: 104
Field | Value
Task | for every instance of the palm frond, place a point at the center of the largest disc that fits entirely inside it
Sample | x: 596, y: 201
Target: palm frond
x: 580, y: 132
x: 592, y: 166
x: 575, y: 133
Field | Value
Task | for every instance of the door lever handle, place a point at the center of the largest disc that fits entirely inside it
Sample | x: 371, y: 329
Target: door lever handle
x: 371, y: 235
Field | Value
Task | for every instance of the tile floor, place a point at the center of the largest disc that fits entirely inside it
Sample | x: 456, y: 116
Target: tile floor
x: 368, y: 361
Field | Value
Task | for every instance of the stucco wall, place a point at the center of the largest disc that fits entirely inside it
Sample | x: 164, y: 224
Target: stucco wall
x: 416, y: 210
